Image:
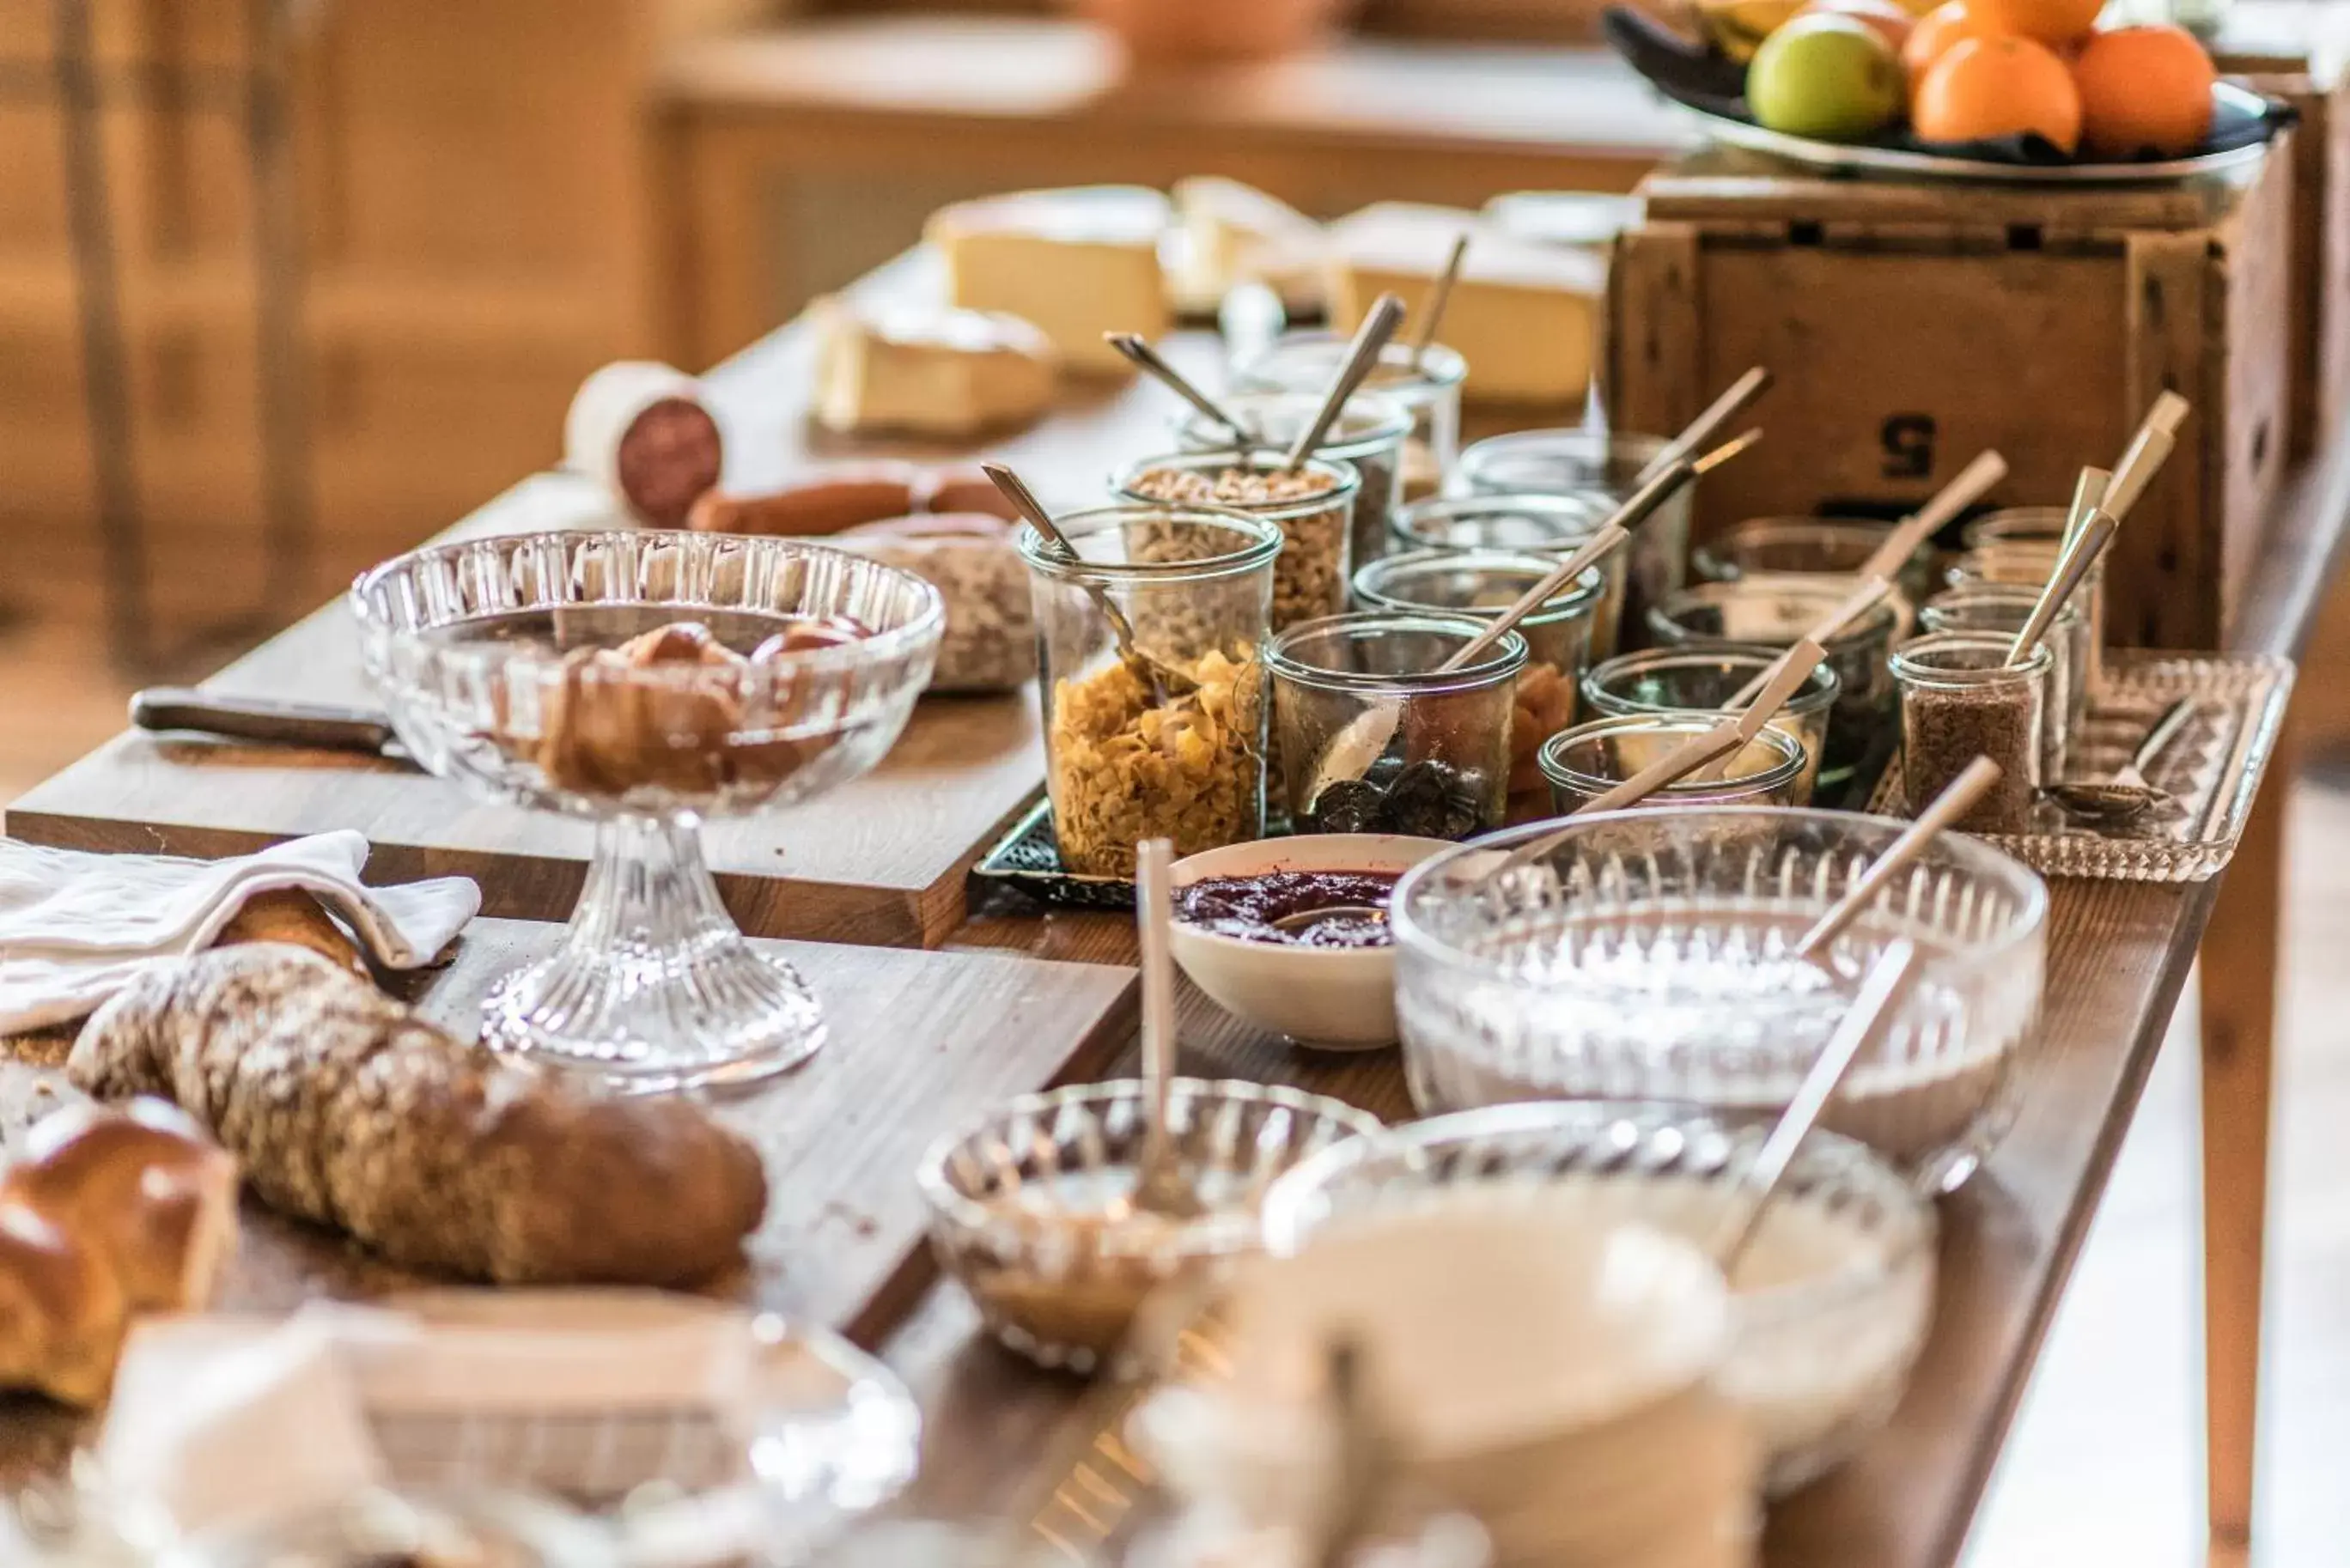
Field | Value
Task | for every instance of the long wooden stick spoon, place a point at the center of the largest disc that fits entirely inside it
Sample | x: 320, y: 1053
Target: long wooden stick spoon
x: 1156, y: 674
x: 1972, y: 484
x: 1161, y: 1187
x: 1848, y: 609
x: 2157, y: 437
x: 1956, y: 799
x: 1379, y: 325
x: 1441, y: 296
x: 1882, y: 990
x: 1711, y: 422
x: 1154, y: 364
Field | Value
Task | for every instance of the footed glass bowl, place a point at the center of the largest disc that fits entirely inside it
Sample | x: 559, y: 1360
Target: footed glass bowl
x: 1650, y: 956
x: 558, y: 670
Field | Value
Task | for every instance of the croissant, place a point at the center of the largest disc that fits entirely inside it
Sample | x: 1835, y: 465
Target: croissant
x: 347, y: 1110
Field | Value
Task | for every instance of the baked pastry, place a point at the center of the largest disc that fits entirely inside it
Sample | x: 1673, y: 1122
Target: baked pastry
x: 347, y: 1110
x: 142, y: 1188
x: 62, y: 1313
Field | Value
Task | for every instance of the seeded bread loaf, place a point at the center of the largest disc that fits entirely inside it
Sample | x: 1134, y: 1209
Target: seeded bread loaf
x: 347, y: 1110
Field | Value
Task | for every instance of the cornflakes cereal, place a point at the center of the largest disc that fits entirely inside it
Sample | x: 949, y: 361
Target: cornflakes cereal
x: 1124, y: 770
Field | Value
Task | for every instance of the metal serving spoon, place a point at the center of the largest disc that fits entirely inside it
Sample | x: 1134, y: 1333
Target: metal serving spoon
x: 2126, y: 796
x: 1163, y: 1186
x: 1306, y: 919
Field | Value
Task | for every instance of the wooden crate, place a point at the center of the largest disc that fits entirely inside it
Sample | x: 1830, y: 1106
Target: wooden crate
x: 1913, y: 325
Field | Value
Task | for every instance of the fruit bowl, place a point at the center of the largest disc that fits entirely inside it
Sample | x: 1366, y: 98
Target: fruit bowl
x: 648, y: 680
x: 1710, y: 82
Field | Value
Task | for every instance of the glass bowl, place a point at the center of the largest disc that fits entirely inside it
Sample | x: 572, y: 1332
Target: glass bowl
x: 1374, y: 739
x: 1584, y: 763
x: 522, y: 667
x: 1829, y: 1304
x: 1028, y: 1208
x: 1603, y: 469
x: 1649, y: 955
x: 1701, y: 681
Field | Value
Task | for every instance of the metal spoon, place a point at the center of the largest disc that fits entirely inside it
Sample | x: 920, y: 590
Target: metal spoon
x: 1436, y: 300
x: 1362, y: 357
x: 1154, y: 364
x: 1306, y: 919
x: 1162, y: 1187
x: 2126, y: 796
x: 1163, y: 678
x: 1881, y: 990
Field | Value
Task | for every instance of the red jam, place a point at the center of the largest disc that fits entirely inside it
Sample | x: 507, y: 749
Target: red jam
x: 1248, y: 907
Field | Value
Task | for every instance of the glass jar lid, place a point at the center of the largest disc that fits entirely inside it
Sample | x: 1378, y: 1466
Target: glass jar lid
x: 1307, y: 361
x: 1368, y: 424
x: 1392, y: 653
x: 1592, y: 758
x: 1613, y: 685
x: 1967, y: 661
x: 1481, y: 583
x: 1511, y: 522
x: 1148, y: 542
x: 1343, y: 481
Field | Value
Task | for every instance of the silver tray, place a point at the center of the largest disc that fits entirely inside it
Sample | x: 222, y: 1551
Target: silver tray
x: 1838, y: 158
x: 2214, y: 768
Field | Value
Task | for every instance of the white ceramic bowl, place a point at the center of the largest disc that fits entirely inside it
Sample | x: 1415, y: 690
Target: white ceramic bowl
x: 1331, y: 999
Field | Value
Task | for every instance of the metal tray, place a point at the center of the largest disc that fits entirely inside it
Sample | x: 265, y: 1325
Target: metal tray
x: 2214, y: 768
x: 1028, y: 858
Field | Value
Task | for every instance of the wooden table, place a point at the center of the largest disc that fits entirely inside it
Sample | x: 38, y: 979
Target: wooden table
x: 840, y: 118
x: 1006, y: 1440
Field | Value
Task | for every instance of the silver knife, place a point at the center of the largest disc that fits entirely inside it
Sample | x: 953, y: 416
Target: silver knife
x: 315, y: 725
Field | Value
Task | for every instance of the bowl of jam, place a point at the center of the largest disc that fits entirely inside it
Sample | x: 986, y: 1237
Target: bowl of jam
x: 1291, y: 934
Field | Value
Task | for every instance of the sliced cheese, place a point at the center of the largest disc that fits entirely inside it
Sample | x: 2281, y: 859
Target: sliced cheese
x: 1078, y: 262
x: 944, y: 373
x: 1234, y: 233
x: 1588, y: 220
x: 1525, y: 316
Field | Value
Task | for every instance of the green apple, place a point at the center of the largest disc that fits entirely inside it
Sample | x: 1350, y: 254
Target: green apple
x: 1826, y: 76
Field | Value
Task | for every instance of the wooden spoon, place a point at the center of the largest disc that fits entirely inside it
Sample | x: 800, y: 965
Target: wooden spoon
x: 1881, y: 991
x: 2157, y: 437
x: 1972, y: 483
x: 1161, y: 677
x: 1848, y: 609
x: 1162, y: 1185
x: 1956, y: 800
x: 1709, y: 424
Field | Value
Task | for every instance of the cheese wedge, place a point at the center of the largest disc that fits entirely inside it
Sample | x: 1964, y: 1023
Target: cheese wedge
x: 1525, y: 316
x: 1078, y: 262
x: 1588, y: 220
x: 945, y: 373
x: 1234, y: 233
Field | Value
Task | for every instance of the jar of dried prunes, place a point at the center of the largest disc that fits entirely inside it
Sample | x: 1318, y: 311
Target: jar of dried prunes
x: 1374, y: 739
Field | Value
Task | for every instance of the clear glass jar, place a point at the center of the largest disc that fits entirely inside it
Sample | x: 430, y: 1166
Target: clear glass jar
x: 1701, y: 681
x: 1594, y: 464
x: 1428, y: 386
x: 1776, y: 611
x: 1549, y: 525
x: 1122, y: 762
x: 1484, y: 583
x: 1314, y: 508
x: 2018, y: 547
x: 1369, y: 434
x: 1959, y: 700
x: 1818, y: 546
x: 1377, y: 741
x: 1586, y: 762
x: 2004, y: 609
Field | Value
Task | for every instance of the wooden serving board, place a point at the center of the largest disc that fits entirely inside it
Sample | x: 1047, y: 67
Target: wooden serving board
x: 881, y: 860
x: 920, y: 1043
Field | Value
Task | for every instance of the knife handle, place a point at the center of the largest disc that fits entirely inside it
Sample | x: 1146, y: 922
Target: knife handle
x: 262, y: 719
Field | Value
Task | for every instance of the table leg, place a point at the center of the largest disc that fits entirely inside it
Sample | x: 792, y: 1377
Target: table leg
x: 2240, y: 979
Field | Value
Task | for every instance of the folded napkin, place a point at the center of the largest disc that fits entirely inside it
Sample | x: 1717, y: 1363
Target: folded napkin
x: 75, y: 927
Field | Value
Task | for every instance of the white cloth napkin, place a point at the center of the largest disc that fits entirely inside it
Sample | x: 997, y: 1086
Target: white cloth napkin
x: 74, y: 927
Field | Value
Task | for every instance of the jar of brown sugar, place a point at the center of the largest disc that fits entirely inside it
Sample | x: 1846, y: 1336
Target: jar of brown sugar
x: 1961, y: 700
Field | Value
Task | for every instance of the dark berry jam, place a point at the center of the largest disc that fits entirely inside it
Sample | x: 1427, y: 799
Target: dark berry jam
x: 1248, y: 907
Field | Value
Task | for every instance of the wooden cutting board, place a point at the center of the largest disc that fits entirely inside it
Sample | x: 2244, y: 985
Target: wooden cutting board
x: 921, y: 1043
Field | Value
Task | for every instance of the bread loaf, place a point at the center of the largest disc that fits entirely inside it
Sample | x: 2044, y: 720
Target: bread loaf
x: 347, y: 1110
x: 142, y: 1188
x: 62, y: 1313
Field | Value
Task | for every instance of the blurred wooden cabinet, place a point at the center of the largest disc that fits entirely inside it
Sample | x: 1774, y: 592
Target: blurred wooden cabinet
x: 474, y: 185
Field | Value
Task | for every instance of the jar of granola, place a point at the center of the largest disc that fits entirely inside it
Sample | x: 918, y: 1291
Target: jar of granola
x: 1369, y: 432
x: 1311, y: 505
x: 1169, y: 744
x: 1484, y: 583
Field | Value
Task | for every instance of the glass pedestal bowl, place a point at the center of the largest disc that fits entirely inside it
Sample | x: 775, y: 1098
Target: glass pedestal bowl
x: 525, y: 667
x: 1648, y: 955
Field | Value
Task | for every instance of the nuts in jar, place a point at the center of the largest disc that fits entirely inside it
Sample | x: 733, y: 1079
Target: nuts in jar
x: 1312, y: 505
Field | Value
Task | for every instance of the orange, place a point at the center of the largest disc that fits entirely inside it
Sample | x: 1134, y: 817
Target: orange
x: 1944, y: 27
x: 1887, y: 20
x: 1997, y: 86
x: 2043, y: 21
x: 2144, y: 89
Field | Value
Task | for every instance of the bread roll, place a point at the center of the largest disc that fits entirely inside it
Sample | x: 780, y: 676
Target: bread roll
x: 62, y: 1315
x: 347, y: 1110
x: 141, y: 1188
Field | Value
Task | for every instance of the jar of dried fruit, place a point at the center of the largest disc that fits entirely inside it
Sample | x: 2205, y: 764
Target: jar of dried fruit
x: 1164, y: 738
